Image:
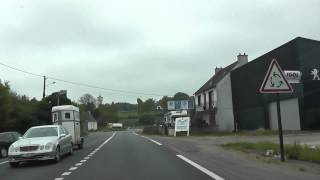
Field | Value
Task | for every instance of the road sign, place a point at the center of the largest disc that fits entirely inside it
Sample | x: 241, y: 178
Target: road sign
x: 180, y: 105
x: 293, y: 76
x: 275, y: 81
x: 182, y: 124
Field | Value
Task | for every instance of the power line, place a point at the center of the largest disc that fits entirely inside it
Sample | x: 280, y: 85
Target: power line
x: 81, y: 84
x: 21, y: 70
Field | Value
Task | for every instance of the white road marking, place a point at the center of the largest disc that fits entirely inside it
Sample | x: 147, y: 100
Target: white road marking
x: 73, y: 168
x: 159, y: 144
x: 204, y: 170
x: 78, y: 164
x: 84, y: 159
x: 4, y: 162
x: 66, y: 173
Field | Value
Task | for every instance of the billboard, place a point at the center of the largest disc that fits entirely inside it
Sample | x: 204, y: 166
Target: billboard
x: 180, y: 105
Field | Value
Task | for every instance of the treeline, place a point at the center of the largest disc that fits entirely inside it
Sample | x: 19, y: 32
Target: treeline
x: 18, y: 112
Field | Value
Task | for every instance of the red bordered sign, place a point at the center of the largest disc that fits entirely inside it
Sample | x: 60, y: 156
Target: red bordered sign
x: 275, y: 81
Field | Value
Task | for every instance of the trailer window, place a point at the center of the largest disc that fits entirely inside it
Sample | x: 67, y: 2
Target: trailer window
x: 67, y: 115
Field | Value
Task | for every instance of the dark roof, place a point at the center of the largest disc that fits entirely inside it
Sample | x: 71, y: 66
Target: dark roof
x: 213, y: 81
x: 89, y: 117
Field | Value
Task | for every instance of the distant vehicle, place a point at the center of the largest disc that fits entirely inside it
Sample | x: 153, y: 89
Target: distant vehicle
x: 6, y: 139
x: 68, y: 117
x: 41, y: 143
x: 117, y: 125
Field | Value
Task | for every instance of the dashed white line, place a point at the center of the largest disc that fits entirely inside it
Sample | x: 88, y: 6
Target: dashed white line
x: 83, y: 160
x: 204, y: 170
x: 4, y: 162
x: 156, y: 142
x: 73, y: 168
x: 78, y: 164
x: 66, y: 173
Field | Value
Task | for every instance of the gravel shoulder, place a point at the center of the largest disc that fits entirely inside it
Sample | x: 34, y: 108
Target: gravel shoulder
x: 237, y: 165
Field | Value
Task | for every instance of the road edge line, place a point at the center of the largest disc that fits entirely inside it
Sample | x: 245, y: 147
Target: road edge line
x: 199, y: 167
x: 3, y: 162
x: 156, y: 142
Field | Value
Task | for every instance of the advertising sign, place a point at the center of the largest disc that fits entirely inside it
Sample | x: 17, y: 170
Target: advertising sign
x: 180, y: 105
x: 182, y: 124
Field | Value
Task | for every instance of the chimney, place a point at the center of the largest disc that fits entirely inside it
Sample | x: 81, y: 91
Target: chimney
x: 242, y: 59
x: 217, y: 69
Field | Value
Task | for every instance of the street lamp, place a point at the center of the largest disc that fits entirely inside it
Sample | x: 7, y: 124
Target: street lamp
x: 51, y: 83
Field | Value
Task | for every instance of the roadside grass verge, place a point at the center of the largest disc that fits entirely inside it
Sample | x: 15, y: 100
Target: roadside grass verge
x: 293, y: 151
x: 240, y: 133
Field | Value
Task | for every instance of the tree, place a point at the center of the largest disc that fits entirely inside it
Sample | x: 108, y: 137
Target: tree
x: 88, y: 101
x: 181, y: 96
x: 5, y: 103
x: 164, y: 102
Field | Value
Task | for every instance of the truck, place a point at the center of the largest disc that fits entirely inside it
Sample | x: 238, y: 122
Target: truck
x: 68, y: 116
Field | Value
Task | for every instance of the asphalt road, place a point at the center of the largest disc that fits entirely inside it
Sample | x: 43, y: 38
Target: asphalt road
x: 114, y: 156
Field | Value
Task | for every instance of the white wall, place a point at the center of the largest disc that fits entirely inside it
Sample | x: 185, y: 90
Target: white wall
x: 290, y: 116
x: 92, y: 126
x: 224, y: 115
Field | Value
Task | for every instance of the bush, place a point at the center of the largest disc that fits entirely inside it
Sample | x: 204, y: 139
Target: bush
x: 151, y: 130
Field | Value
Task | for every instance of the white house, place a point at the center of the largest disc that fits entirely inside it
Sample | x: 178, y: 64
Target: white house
x: 91, y: 121
x: 214, y: 106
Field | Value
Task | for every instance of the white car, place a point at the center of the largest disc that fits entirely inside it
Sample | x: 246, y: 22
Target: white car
x: 41, y: 143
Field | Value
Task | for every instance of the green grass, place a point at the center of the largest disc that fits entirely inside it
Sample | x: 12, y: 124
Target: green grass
x: 241, y: 133
x: 295, y: 151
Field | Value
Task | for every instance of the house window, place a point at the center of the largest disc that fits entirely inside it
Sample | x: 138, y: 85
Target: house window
x: 199, y: 100
x: 210, y: 99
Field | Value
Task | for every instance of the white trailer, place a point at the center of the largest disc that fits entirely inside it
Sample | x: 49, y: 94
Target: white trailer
x: 68, y: 116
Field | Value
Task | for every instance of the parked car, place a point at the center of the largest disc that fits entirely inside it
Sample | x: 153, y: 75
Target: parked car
x: 41, y: 143
x: 6, y: 139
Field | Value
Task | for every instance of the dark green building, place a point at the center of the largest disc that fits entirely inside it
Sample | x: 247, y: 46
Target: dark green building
x: 300, y: 110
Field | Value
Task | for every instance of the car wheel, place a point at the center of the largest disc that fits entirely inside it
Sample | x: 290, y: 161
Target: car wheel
x: 4, y: 152
x: 57, y: 155
x: 14, y: 164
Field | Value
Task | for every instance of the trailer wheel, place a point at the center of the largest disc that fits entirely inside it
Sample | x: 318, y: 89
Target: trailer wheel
x: 80, y: 146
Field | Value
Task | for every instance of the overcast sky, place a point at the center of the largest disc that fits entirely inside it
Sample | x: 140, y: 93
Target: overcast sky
x: 149, y: 46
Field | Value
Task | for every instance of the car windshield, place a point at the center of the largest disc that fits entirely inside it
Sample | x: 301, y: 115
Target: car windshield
x: 42, y: 132
x: 3, y: 137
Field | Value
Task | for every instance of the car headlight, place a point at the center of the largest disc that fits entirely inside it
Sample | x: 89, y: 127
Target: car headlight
x: 11, y: 149
x: 48, y: 146
x: 16, y: 149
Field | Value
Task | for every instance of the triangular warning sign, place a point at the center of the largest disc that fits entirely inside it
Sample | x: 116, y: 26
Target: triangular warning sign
x: 275, y: 81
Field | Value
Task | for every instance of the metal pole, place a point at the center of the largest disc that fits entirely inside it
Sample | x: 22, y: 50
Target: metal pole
x: 44, y: 87
x: 280, y: 128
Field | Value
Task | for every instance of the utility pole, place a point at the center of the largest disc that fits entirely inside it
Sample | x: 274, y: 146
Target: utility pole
x: 44, y: 87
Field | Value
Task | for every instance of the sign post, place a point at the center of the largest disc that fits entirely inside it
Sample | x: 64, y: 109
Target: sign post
x: 276, y: 83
